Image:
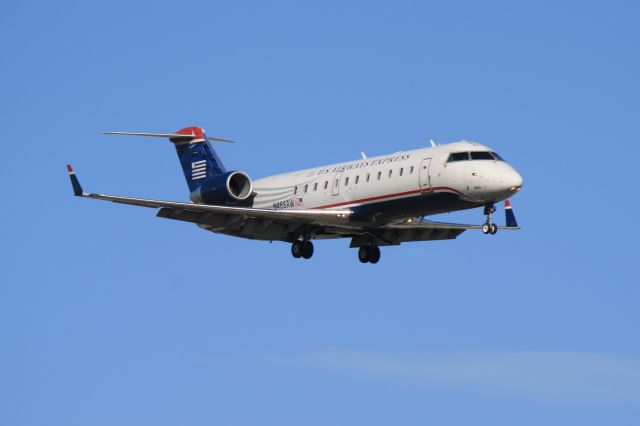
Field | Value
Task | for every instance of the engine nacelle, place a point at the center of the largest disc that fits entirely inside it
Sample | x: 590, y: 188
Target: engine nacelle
x: 227, y: 187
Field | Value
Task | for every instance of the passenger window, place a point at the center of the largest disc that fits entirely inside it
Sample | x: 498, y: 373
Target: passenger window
x: 401, y: 170
x: 379, y: 175
x: 295, y: 189
x: 481, y: 155
x: 315, y: 186
x: 346, y: 181
x: 458, y: 156
x: 306, y: 187
x: 368, y: 176
x: 411, y: 170
x: 357, y: 179
x: 326, y: 184
x: 390, y: 173
x: 337, y: 183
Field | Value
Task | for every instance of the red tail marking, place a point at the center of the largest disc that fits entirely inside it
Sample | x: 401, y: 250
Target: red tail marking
x: 196, y: 132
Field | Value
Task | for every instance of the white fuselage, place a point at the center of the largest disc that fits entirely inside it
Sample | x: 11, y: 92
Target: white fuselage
x: 404, y: 184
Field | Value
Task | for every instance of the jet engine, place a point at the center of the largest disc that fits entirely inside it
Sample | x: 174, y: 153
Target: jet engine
x: 226, y: 188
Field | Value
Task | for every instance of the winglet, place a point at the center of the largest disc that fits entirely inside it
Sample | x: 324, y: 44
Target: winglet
x: 509, y: 216
x: 75, y: 183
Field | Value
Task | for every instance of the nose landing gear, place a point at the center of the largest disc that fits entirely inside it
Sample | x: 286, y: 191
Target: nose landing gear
x: 489, y: 227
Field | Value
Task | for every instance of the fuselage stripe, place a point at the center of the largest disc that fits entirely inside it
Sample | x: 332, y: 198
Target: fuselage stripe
x: 398, y: 194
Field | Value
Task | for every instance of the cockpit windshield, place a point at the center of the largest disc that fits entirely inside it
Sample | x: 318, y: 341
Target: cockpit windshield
x: 473, y: 155
x: 458, y: 156
x: 496, y: 156
x: 481, y: 155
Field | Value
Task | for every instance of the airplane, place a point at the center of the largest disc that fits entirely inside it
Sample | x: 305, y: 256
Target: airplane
x: 377, y: 201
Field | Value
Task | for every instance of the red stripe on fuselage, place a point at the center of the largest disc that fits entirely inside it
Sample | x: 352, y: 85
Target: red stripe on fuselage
x: 398, y: 194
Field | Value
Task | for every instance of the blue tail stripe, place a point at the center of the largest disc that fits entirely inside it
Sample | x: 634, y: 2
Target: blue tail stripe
x: 199, y: 161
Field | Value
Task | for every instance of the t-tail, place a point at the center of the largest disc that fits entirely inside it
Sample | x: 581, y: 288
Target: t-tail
x: 198, y: 159
x: 207, y: 178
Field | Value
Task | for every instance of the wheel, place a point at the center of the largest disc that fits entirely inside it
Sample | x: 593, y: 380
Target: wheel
x: 493, y: 229
x: 374, y: 254
x: 307, y: 249
x: 486, y: 228
x: 363, y: 254
x: 296, y: 249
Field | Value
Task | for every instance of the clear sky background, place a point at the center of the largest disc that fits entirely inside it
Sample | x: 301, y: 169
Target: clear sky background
x: 109, y: 315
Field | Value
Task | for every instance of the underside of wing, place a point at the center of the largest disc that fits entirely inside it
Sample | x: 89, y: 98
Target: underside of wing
x: 429, y: 224
x: 278, y: 227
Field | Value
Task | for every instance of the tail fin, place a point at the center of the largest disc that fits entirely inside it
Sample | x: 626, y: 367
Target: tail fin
x: 198, y: 159
x: 509, y: 216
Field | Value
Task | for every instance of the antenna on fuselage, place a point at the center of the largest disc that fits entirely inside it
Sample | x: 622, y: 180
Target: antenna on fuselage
x: 432, y: 142
x: 364, y: 156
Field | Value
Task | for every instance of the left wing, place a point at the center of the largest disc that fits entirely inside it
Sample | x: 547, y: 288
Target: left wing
x: 315, y: 217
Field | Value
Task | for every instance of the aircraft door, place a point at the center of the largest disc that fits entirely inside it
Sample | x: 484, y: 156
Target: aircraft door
x: 335, y: 185
x: 425, y: 178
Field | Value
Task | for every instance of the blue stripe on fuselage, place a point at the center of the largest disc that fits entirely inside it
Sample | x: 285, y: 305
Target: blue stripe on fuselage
x: 420, y: 205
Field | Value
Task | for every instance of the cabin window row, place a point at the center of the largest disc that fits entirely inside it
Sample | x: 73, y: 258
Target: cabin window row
x: 357, y: 179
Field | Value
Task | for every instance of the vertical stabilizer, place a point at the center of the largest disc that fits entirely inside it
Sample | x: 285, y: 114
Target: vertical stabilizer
x: 198, y: 159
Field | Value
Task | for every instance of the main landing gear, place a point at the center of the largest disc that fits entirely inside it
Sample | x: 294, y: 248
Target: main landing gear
x: 370, y: 254
x: 489, y: 227
x: 302, y: 249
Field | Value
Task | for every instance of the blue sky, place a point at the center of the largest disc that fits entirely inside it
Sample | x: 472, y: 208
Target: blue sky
x: 109, y: 315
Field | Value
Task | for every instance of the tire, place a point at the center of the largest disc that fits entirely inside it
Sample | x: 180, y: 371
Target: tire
x: 493, y: 229
x: 363, y: 254
x: 486, y: 228
x: 296, y: 249
x: 374, y: 254
x: 307, y: 249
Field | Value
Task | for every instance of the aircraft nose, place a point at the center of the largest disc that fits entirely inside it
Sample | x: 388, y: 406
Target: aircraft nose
x: 514, y: 182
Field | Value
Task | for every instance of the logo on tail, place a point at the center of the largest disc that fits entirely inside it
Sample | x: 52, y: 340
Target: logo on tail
x: 198, y: 169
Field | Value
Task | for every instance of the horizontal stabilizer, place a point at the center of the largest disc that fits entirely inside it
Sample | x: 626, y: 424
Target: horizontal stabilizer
x: 168, y: 135
x: 158, y: 135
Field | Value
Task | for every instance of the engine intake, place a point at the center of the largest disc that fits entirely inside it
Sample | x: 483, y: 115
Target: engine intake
x: 229, y: 187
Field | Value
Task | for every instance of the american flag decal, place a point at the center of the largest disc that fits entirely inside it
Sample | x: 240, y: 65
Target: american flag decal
x: 198, y: 169
x: 297, y: 202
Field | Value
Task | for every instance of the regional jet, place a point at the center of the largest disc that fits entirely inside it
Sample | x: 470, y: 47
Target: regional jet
x: 376, y: 201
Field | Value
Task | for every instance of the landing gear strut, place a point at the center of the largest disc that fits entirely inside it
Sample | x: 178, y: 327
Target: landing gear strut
x: 302, y: 249
x: 369, y: 254
x: 489, y: 227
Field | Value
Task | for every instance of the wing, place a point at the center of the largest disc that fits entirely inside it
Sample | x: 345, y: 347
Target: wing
x: 418, y: 224
x: 419, y: 230
x: 247, y: 222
